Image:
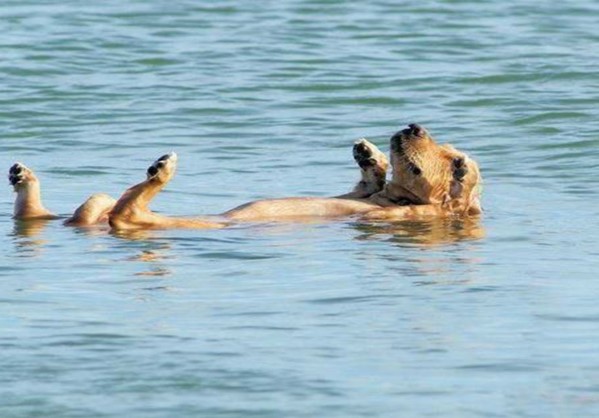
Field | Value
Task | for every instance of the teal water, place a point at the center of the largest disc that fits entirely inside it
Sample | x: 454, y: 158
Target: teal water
x: 341, y: 319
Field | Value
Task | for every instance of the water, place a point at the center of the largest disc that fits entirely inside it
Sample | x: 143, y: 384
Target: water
x: 340, y: 319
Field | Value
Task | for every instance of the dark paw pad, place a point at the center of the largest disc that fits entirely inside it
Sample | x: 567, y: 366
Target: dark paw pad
x: 362, y: 150
x: 14, y: 180
x: 159, y: 164
x: 15, y: 174
x: 16, y: 169
x: 363, y: 154
x: 367, y: 162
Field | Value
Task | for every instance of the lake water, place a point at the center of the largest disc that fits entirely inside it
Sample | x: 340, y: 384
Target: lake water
x: 498, y: 318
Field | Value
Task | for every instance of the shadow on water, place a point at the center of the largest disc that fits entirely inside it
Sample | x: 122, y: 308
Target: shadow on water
x: 433, y: 232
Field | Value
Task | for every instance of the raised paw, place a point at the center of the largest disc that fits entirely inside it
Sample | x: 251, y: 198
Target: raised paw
x: 368, y: 155
x: 363, y: 154
x: 19, y: 174
x: 163, y: 168
x: 373, y: 165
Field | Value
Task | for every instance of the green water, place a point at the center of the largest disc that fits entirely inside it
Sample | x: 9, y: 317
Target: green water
x: 341, y: 319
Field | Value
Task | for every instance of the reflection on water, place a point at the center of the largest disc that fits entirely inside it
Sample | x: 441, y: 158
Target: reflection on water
x: 149, y: 256
x: 30, y: 228
x: 91, y: 231
x: 27, y: 240
x: 437, y: 265
x: 431, y: 232
x: 152, y: 253
x: 154, y: 257
x: 135, y: 234
x: 155, y: 272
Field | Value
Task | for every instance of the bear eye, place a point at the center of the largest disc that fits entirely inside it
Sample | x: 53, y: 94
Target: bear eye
x: 414, y: 169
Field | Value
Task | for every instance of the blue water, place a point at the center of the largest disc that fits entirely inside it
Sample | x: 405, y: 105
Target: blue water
x: 497, y: 318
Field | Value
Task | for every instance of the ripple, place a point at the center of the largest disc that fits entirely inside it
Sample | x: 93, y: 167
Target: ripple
x: 237, y: 256
x: 352, y: 299
x: 570, y: 318
x: 507, y: 367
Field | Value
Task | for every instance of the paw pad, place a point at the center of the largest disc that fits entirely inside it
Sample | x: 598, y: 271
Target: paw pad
x: 160, y: 163
x: 363, y: 155
x: 362, y: 151
x: 15, y: 174
x: 152, y: 171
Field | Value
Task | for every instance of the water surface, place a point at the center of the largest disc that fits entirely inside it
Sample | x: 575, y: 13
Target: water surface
x: 264, y: 99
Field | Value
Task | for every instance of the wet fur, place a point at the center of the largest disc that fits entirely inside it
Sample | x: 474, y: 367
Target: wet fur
x: 428, y: 180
